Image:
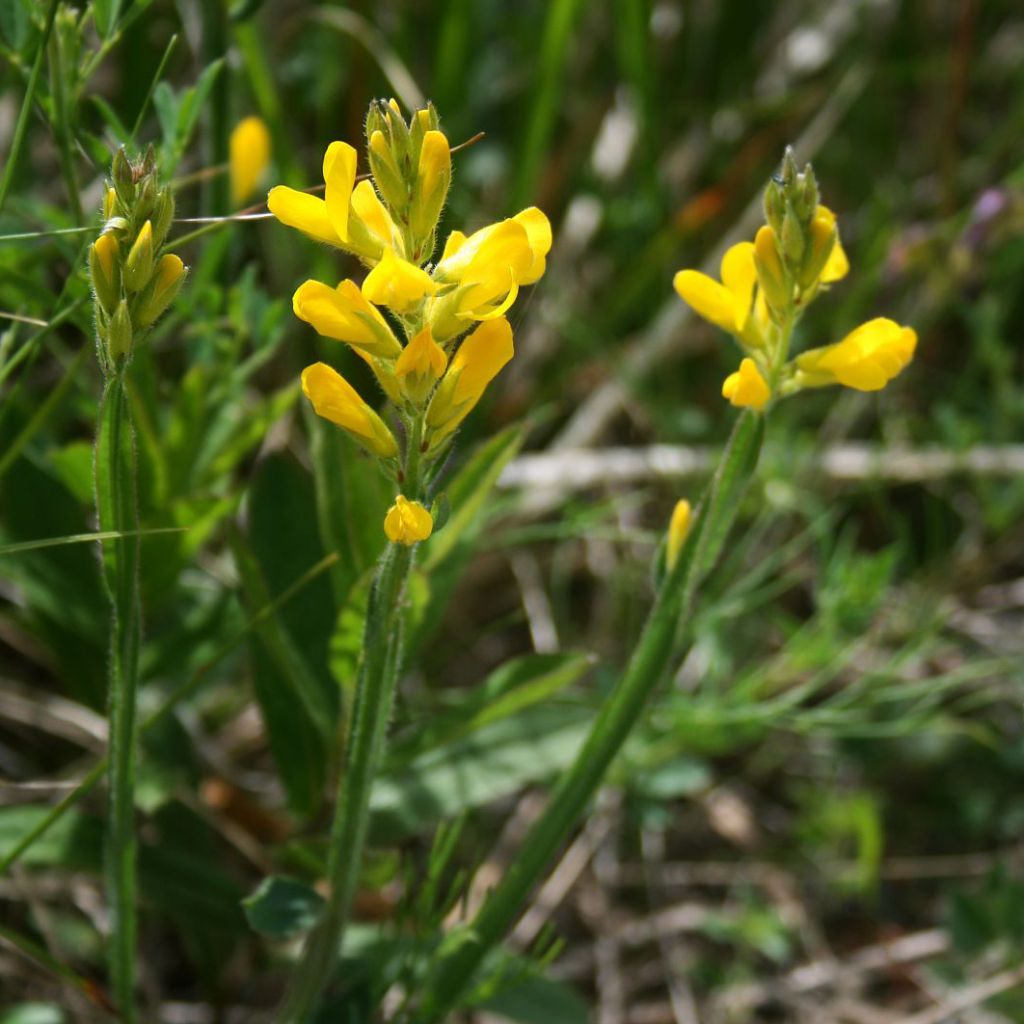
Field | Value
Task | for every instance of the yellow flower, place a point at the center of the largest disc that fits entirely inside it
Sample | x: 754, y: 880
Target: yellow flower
x: 160, y: 293
x: 104, y: 267
x: 397, y: 283
x: 479, y: 359
x: 746, y: 387
x: 407, y: 522
x: 344, y: 314
x: 420, y: 366
x: 866, y: 359
x: 678, y: 528
x: 249, y: 154
x: 487, y: 269
x: 336, y: 400
x: 325, y: 219
x: 433, y: 176
x: 837, y: 266
x: 728, y: 303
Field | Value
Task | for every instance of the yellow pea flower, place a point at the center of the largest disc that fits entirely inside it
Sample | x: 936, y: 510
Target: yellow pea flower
x: 433, y: 176
x: 344, y: 314
x: 105, y: 270
x: 248, y: 157
x: 837, y: 266
x: 397, y: 283
x: 370, y: 217
x: 727, y: 303
x: 866, y: 359
x: 487, y: 269
x: 165, y: 285
x: 407, y: 522
x: 420, y: 366
x: 325, y: 219
x: 678, y: 528
x: 336, y: 400
x: 746, y: 387
x: 477, y: 362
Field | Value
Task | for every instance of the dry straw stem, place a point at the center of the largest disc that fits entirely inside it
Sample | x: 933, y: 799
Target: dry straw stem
x: 562, y: 472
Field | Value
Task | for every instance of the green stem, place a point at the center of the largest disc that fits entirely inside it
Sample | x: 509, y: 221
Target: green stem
x: 118, y: 511
x: 375, y: 688
x: 26, y: 107
x: 463, y: 952
x: 62, y: 124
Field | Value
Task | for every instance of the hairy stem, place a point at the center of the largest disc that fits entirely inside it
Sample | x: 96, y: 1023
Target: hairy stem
x: 465, y: 949
x: 375, y: 688
x: 118, y: 511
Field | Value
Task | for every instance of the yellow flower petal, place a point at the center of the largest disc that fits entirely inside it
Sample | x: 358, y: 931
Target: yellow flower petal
x: 339, y: 177
x: 344, y: 314
x: 422, y: 357
x: 739, y: 276
x: 407, y: 522
x: 397, y: 283
x: 837, y: 266
x: 707, y: 298
x: 678, y: 528
x: 478, y: 361
x: 366, y: 205
x: 538, y: 234
x: 867, y: 358
x: 248, y: 156
x: 336, y: 400
x: 746, y: 388
x: 302, y: 211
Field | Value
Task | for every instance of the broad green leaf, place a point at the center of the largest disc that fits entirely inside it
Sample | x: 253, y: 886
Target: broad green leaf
x: 281, y: 907
x: 493, y: 762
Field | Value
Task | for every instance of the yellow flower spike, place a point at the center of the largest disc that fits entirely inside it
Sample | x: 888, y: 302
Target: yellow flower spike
x: 340, y: 179
x: 344, y: 314
x: 336, y: 400
x: 407, y: 522
x: 397, y: 284
x: 248, y: 157
x: 424, y: 361
x: 726, y: 304
x: 746, y: 387
x: 166, y: 283
x: 477, y: 362
x: 678, y: 528
x: 866, y: 359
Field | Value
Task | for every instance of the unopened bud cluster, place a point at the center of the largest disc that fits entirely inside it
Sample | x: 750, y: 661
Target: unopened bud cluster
x: 133, y: 280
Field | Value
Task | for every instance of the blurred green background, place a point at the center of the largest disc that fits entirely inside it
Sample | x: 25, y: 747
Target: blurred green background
x: 821, y: 817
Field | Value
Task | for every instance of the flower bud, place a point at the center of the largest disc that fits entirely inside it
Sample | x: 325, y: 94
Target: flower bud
x: 163, y: 215
x: 407, y: 522
x: 678, y: 528
x: 433, y: 177
x: 119, y: 332
x: 161, y: 291
x: 420, y: 366
x: 791, y: 241
x: 138, y: 268
x: 386, y: 174
x: 774, y: 205
x: 104, y: 268
x: 822, y: 237
x: 109, y: 203
x: 771, y: 274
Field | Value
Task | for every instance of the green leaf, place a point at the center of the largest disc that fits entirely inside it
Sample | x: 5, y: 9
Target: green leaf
x: 492, y: 762
x: 104, y: 13
x: 281, y: 907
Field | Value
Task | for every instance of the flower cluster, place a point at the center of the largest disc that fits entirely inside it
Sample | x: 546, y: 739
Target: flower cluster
x: 133, y: 282
x: 767, y: 284
x: 432, y: 374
